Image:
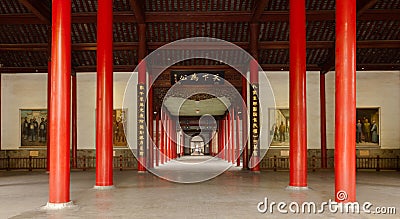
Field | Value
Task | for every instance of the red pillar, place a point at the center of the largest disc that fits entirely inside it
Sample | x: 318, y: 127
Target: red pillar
x: 0, y: 110
x: 60, y: 103
x: 219, y: 138
x: 297, y: 99
x: 48, y: 113
x: 162, y: 137
x: 104, y: 103
x: 238, y: 139
x: 168, y: 138
x: 171, y: 142
x: 345, y: 100
x: 74, y: 121
x: 244, y: 124
x: 233, y: 139
x: 210, y: 144
x: 157, y: 153
x: 229, y: 138
x: 175, y: 140
x: 165, y: 138
x: 172, y: 133
x: 222, y: 137
x: 183, y: 144
x: 225, y: 145
x: 323, y: 121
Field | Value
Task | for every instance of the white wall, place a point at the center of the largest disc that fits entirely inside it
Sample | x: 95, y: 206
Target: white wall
x: 374, y: 89
x: 29, y: 91
x: 280, y: 85
x: 19, y: 91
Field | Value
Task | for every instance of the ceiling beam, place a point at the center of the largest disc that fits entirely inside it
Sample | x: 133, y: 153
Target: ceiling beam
x: 38, y: 8
x: 137, y: 7
x: 209, y: 16
x: 258, y: 10
x: 263, y: 45
x: 75, y: 46
x: 265, y: 67
x: 363, y: 5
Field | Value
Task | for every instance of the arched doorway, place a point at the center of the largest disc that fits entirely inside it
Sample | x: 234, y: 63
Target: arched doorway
x: 197, y: 146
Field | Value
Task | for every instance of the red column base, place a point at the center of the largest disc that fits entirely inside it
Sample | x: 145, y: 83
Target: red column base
x: 256, y: 168
x: 141, y: 168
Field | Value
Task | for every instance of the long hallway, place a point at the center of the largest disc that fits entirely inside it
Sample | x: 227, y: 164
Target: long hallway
x: 192, y: 169
x: 234, y: 194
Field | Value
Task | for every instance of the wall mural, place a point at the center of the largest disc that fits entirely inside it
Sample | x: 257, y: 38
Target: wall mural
x: 119, y: 122
x: 280, y: 127
x: 33, y: 127
x: 367, y: 126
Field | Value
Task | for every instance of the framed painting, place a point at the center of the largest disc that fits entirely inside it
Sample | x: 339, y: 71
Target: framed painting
x: 279, y: 129
x: 119, y: 123
x: 367, y: 126
x: 33, y: 127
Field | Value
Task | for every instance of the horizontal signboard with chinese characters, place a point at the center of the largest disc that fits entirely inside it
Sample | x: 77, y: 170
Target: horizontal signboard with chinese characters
x: 197, y: 77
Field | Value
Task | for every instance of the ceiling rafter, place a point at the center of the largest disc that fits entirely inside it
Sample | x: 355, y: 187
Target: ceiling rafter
x: 258, y: 10
x: 38, y: 8
x: 137, y: 7
x: 209, y: 16
x: 363, y: 44
x: 130, y: 68
x: 363, y: 5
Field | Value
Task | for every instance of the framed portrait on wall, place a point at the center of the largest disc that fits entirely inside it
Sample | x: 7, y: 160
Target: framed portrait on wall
x: 279, y: 126
x: 33, y: 127
x: 367, y: 126
x: 119, y: 123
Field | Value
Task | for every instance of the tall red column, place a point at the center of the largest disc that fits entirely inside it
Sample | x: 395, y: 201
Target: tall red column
x: 244, y: 125
x: 183, y: 144
x: 172, y: 133
x: 233, y: 139
x: 0, y: 110
x: 48, y: 113
x: 157, y: 140
x: 220, y: 131
x: 345, y: 101
x: 168, y: 141
x: 225, y: 145
x: 60, y: 103
x: 210, y: 144
x: 238, y: 140
x: 323, y: 121
x: 297, y: 99
x: 162, y: 137
x: 168, y: 132
x: 171, y: 142
x: 104, y: 103
x: 223, y: 135
x: 74, y: 121
x: 229, y: 138
x: 165, y: 138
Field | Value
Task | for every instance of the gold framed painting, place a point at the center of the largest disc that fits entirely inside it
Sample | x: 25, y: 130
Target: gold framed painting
x: 119, y: 126
x: 33, y: 127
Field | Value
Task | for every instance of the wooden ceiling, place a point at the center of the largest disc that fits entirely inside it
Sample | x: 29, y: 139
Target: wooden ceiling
x: 25, y: 27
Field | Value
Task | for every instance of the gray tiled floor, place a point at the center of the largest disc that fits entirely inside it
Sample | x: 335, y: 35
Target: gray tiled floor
x: 234, y: 194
